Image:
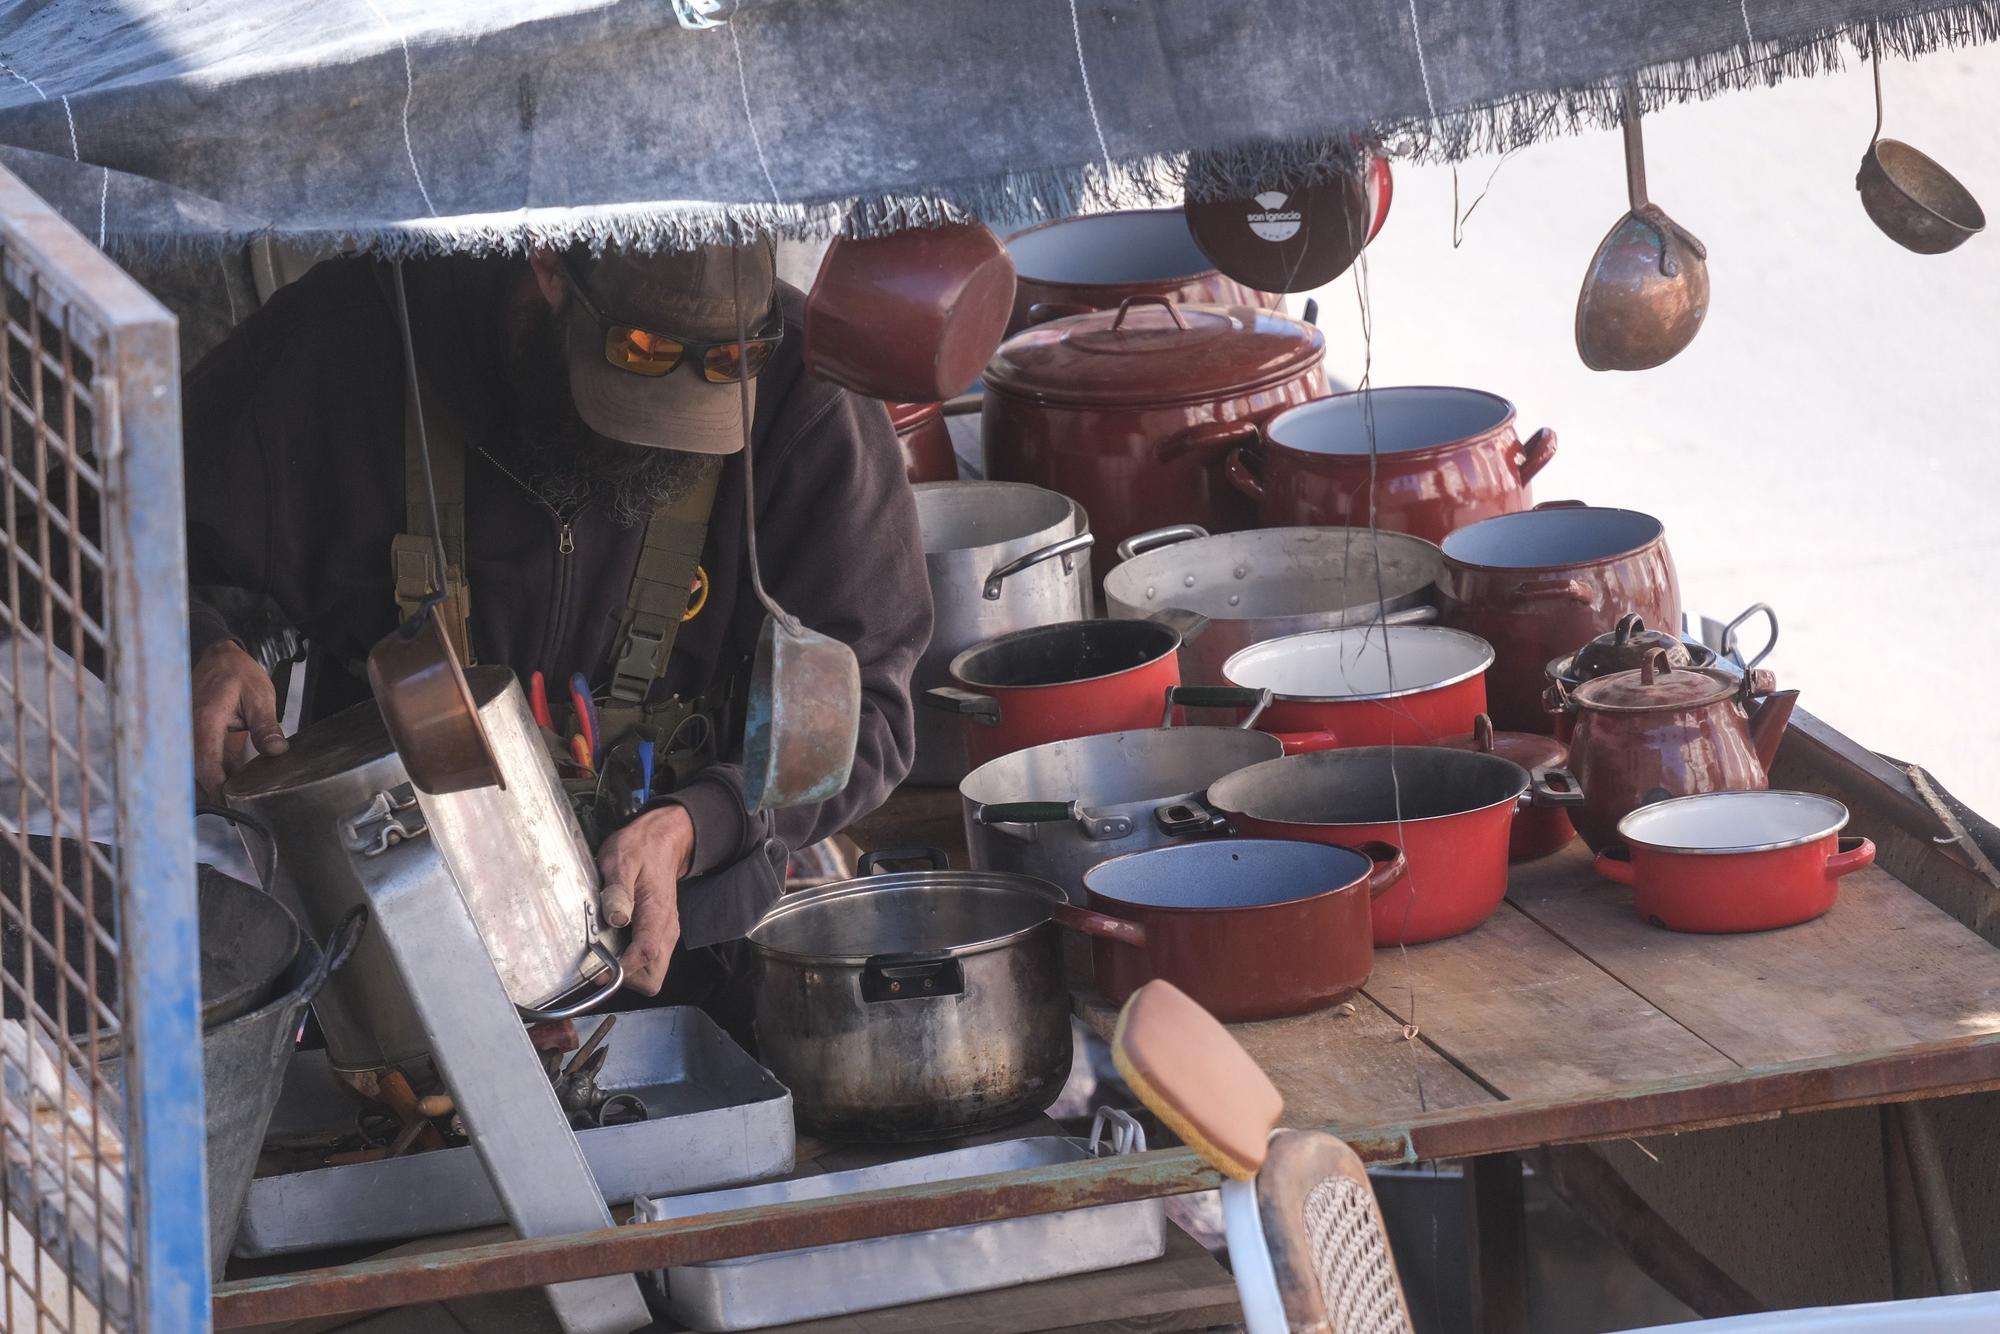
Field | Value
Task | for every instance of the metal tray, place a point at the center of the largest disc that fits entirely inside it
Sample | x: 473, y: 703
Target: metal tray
x: 756, y: 1291
x: 716, y: 1117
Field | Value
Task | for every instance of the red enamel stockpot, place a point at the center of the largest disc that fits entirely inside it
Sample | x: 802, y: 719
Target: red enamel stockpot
x: 1252, y: 928
x: 1735, y: 861
x: 1054, y: 682
x: 926, y: 441
x: 1129, y: 412
x: 1538, y: 583
x: 1076, y: 265
x: 1452, y: 810
x: 1360, y: 685
x: 1541, y: 829
x: 1442, y: 458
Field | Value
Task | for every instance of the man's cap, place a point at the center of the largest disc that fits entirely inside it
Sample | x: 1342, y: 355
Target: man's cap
x: 686, y: 293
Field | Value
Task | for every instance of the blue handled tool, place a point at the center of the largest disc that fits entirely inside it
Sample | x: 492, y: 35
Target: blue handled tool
x: 587, y: 724
x: 645, y: 793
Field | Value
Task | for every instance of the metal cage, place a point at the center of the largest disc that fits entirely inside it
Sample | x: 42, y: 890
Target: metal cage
x: 102, y: 1218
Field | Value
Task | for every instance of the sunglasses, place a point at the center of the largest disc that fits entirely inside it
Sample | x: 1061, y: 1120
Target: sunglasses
x: 651, y: 353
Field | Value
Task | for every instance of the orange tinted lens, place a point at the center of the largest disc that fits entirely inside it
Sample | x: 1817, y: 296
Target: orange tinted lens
x: 735, y: 361
x: 641, y: 351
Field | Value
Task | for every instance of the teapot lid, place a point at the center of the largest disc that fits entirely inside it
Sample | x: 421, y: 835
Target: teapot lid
x: 1658, y: 684
x: 1624, y: 647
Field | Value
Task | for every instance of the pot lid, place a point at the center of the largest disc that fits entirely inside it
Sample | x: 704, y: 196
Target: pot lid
x: 1624, y: 647
x: 1150, y: 350
x: 1526, y: 749
x: 1657, y: 684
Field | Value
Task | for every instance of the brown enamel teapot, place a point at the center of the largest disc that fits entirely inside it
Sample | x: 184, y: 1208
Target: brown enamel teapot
x: 1668, y: 731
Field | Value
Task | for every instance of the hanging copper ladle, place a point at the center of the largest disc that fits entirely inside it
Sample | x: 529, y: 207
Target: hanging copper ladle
x: 1917, y: 204
x: 1645, y: 293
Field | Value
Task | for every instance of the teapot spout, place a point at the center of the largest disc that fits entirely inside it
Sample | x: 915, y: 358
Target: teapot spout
x: 1768, y: 717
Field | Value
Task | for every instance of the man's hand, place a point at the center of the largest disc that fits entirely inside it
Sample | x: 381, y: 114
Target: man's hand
x: 642, y: 866
x: 231, y: 694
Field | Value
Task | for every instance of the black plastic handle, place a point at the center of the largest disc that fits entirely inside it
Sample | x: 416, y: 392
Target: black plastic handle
x: 915, y: 975
x: 1024, y: 812
x: 1552, y: 786
x: 872, y: 860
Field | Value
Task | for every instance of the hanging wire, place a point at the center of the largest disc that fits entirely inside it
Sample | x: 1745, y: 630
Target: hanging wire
x: 423, y: 438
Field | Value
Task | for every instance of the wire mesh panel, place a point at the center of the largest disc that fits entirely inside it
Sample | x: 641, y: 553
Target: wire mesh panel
x: 101, y: 1201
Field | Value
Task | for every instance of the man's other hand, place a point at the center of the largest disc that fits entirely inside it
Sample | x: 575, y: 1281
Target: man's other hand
x: 642, y: 865
x: 231, y: 694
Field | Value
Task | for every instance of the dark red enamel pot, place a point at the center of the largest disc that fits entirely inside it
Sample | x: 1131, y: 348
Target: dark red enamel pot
x: 1076, y: 265
x: 1735, y: 861
x: 1541, y: 829
x: 1054, y: 682
x: 1451, y: 811
x: 1251, y: 928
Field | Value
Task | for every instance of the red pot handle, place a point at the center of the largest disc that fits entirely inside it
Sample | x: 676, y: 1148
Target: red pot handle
x: 1389, y: 866
x: 1305, y: 743
x: 1553, y: 590
x: 1099, y: 924
x: 1855, y: 853
x: 1207, y: 439
x: 1241, y: 475
x: 1563, y: 505
x: 1612, y: 866
x: 1535, y: 455
x: 1044, y: 311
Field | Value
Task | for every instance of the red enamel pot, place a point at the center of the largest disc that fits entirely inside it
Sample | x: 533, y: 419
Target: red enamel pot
x: 1372, y: 685
x: 1251, y: 928
x: 1054, y: 682
x: 1735, y: 861
x: 1451, y: 811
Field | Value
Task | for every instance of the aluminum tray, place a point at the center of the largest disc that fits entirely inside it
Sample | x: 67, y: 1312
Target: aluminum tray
x: 761, y: 1290
x: 717, y: 1117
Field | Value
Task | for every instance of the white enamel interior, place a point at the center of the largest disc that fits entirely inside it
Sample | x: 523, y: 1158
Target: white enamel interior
x: 1360, y: 662
x: 1226, y: 873
x: 1733, y: 821
x: 1533, y: 539
x: 1405, y: 418
x: 1151, y: 245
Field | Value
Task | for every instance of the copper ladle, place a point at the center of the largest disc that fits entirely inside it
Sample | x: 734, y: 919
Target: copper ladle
x: 1645, y: 293
x: 1917, y: 204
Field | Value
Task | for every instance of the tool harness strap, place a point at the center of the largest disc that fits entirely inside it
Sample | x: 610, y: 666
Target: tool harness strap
x: 662, y: 584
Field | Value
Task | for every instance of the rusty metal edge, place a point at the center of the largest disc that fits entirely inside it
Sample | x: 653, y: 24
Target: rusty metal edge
x: 1688, y: 1103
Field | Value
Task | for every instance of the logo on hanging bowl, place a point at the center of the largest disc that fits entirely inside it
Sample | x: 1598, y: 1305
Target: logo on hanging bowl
x: 1271, y: 220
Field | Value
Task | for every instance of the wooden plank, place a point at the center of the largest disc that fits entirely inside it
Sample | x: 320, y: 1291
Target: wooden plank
x: 1338, y: 1066
x: 1885, y: 969
x: 1531, y: 1017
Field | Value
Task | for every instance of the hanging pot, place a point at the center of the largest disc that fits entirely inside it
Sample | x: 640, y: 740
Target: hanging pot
x: 1453, y: 810
x: 1442, y: 458
x: 1289, y: 237
x: 1229, y: 591
x: 1077, y: 678
x: 1540, y: 829
x: 1252, y: 928
x: 1001, y: 557
x: 1131, y: 411
x: 1536, y: 584
x: 1735, y: 861
x: 1076, y: 265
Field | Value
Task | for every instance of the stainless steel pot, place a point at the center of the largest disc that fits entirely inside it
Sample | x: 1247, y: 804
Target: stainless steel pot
x: 1002, y: 556
x: 914, y: 1005
x: 1056, y: 810
x: 1229, y: 591
x: 516, y: 854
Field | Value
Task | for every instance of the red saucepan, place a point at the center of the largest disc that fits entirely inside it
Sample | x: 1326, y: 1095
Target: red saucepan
x: 1451, y: 811
x: 1735, y: 861
x: 1054, y: 682
x: 1362, y: 685
x: 1252, y: 928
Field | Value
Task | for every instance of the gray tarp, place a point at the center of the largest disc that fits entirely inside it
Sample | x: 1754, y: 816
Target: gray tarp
x: 423, y: 125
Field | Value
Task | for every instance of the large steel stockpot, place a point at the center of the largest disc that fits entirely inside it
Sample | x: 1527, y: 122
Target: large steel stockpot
x: 1074, y: 678
x: 914, y: 1004
x: 1538, y: 583
x: 516, y: 853
x: 1451, y: 811
x: 1419, y: 459
x: 1252, y: 928
x: 1001, y: 556
x: 1058, y: 809
x: 1227, y: 591
x: 1130, y: 411
x: 1076, y: 265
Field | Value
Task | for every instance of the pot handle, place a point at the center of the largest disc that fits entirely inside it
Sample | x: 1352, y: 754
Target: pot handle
x: 1189, y: 816
x: 1563, y: 505
x: 1148, y: 299
x: 1482, y: 733
x: 1729, y: 648
x: 1556, y: 701
x: 1241, y: 475
x: 1041, y: 312
x: 1217, y: 697
x: 1208, y: 439
x: 1655, y: 665
x: 588, y: 1003
x: 871, y: 860
x: 1536, y: 453
x: 1067, y: 548
x: 267, y: 874
x: 1854, y: 854
x: 1098, y: 924
x: 1389, y: 866
x: 1305, y: 743
x: 966, y: 703
x: 1552, y: 590
x: 1154, y: 538
x: 1615, y: 864
x: 912, y: 975
x: 1552, y: 785
x: 1024, y: 812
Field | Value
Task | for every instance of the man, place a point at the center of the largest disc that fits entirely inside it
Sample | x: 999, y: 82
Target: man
x: 587, y: 404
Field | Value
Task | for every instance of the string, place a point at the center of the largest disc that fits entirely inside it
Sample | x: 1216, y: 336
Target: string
x: 1089, y: 99
x: 756, y: 139
x: 417, y: 404
x: 409, y: 96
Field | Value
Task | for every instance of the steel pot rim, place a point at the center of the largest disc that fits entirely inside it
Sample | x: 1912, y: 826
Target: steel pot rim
x: 1401, y: 692
x: 1124, y: 583
x: 958, y: 662
x: 1073, y: 515
x: 1099, y: 897
x: 1332, y: 759
x: 1197, y: 735
x: 1836, y: 811
x: 1658, y: 538
x: 1509, y: 415
x: 806, y: 900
